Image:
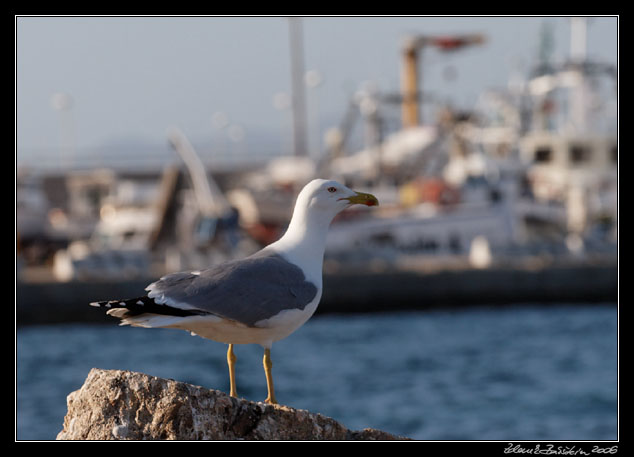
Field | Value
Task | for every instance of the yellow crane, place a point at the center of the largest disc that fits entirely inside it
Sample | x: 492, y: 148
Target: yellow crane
x: 410, y: 78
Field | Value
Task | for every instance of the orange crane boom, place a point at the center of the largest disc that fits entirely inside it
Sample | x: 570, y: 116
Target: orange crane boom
x: 410, y: 75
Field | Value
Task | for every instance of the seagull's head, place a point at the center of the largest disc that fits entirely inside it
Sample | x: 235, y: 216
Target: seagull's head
x: 331, y: 197
x: 317, y: 205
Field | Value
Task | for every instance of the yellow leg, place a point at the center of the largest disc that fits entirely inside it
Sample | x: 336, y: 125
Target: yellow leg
x: 269, y: 377
x: 231, y: 360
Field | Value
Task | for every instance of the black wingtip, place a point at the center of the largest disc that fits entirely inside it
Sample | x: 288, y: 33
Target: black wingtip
x: 104, y: 304
x: 142, y: 305
x: 127, y: 303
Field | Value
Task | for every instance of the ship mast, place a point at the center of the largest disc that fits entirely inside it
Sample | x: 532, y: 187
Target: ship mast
x: 298, y: 101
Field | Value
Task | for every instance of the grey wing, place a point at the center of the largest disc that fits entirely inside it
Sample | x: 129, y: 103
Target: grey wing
x: 247, y: 291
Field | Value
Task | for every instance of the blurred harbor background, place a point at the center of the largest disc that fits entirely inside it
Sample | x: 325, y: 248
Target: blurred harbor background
x: 146, y: 145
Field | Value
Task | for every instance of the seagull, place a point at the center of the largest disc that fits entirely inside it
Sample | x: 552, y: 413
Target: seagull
x: 260, y: 299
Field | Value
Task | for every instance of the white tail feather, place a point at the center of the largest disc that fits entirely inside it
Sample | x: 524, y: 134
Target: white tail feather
x: 151, y: 320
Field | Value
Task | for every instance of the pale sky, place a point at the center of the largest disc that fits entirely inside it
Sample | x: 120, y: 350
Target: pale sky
x: 130, y: 78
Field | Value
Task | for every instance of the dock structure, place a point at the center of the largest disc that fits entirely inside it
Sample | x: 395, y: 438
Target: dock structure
x: 49, y: 302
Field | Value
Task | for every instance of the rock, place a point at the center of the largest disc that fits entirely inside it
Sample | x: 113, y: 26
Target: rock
x: 124, y: 405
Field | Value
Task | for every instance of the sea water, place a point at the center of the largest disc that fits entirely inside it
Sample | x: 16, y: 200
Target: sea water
x: 516, y: 373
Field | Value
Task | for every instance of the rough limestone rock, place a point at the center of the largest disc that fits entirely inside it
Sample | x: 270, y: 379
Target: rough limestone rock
x: 123, y: 405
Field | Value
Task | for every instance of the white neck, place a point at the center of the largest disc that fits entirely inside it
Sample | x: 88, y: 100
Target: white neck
x: 305, y: 241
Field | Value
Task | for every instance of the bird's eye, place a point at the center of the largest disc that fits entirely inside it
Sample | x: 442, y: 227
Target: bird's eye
x: 332, y: 189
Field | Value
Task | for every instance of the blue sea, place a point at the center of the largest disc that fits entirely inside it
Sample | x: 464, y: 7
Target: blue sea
x: 516, y: 373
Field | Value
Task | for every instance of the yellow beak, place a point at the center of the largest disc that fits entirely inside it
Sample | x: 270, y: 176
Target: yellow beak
x: 362, y: 199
